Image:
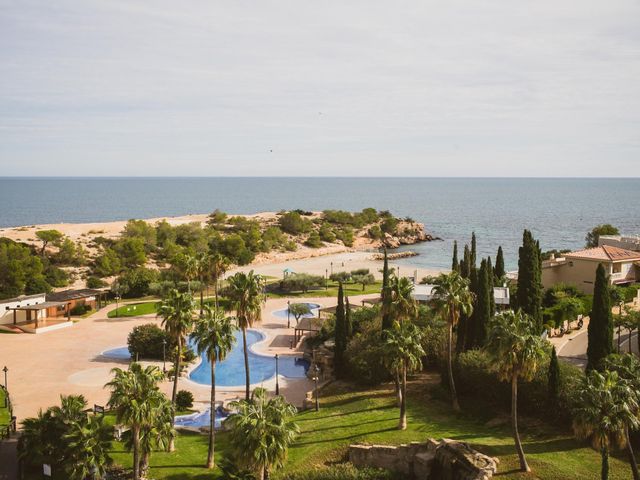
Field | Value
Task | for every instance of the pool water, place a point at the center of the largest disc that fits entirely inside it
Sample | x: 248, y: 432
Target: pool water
x: 200, y: 419
x: 230, y: 372
x: 312, y: 306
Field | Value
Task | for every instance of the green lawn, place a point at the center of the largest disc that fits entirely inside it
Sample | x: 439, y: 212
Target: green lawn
x: 350, y: 289
x: 347, y: 416
x: 4, y: 412
x: 134, y: 309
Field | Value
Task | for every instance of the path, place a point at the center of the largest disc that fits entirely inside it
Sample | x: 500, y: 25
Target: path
x: 9, y: 459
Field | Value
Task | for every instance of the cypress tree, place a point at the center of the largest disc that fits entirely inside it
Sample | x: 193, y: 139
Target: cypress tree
x: 387, y: 320
x: 455, y: 265
x: 474, y: 250
x: 482, y: 308
x: 347, y: 321
x: 492, y: 284
x: 553, y: 380
x: 340, y: 335
x: 465, y: 263
x: 529, y: 292
x: 471, y: 340
x: 499, y: 271
x: 600, y: 330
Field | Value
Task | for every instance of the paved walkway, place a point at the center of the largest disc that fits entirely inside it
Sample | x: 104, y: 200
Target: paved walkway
x: 9, y: 459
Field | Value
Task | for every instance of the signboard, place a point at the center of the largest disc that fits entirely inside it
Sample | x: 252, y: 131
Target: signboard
x: 46, y: 470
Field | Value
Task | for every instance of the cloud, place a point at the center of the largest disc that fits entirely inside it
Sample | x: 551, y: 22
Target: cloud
x: 334, y: 88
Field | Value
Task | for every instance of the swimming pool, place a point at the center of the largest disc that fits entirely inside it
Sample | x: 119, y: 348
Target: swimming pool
x: 312, y: 306
x: 230, y: 372
x: 200, y: 419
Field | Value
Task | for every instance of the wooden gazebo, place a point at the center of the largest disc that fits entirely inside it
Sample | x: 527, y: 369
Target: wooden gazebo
x: 32, y: 311
x: 306, y: 324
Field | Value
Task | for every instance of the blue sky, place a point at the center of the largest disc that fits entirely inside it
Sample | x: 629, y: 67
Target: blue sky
x: 365, y: 88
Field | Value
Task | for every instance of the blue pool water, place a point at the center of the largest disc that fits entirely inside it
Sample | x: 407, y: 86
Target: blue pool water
x: 230, y: 372
x: 200, y: 419
x: 312, y: 306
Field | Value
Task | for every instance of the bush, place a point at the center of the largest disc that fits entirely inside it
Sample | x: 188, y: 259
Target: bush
x: 345, y: 235
x: 326, y: 233
x: 301, y: 282
x: 79, y: 310
x: 293, y: 223
x: 375, y: 232
x: 184, y: 400
x: 146, y: 342
x: 313, y: 240
x: 95, y: 282
x: 366, y: 354
x: 389, y: 225
x: 344, y: 471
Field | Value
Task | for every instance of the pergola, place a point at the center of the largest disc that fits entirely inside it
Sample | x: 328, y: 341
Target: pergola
x: 306, y: 324
x: 34, y: 309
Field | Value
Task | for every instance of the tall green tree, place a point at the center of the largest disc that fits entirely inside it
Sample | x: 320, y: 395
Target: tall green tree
x: 214, y: 336
x: 176, y: 310
x: 48, y: 237
x: 340, y: 335
x: 387, y: 321
x: 455, y: 264
x: 477, y: 328
x: 529, y: 291
x: 403, y: 347
x: 553, y: 380
x: 600, y: 330
x: 517, y: 351
x: 452, y: 298
x: 137, y: 401
x: 260, y: 432
x: 245, y: 292
x: 348, y: 320
x: 88, y: 443
x: 606, y: 409
x: 465, y: 263
x: 474, y: 250
x: 499, y: 272
x: 593, y: 237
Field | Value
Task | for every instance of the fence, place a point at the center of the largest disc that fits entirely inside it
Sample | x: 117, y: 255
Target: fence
x: 6, y: 430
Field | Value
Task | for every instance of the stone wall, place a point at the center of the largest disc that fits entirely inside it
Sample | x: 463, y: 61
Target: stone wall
x: 430, y: 460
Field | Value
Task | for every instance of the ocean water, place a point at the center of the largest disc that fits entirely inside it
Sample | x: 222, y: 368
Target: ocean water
x: 558, y: 211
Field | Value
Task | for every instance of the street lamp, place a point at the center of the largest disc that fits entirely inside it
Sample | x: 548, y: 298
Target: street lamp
x: 316, y: 377
x: 288, y: 313
x: 117, y: 298
x: 164, y: 355
x: 326, y: 279
x: 277, y: 384
x: 331, y: 268
x: 6, y: 390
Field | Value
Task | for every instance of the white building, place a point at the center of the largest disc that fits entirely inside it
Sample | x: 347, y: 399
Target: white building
x: 424, y: 294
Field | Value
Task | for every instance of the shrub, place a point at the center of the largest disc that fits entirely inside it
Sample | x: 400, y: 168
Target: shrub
x: 345, y: 235
x: 389, y: 225
x: 301, y: 282
x: 79, y: 310
x: 366, y: 353
x: 326, y: 233
x: 344, y: 471
x: 360, y: 271
x: 184, y: 400
x: 293, y: 223
x: 313, y: 240
x: 146, y: 342
x: 375, y: 232
x: 95, y: 282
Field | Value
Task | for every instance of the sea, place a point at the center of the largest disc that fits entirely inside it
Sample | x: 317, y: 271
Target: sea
x: 559, y: 211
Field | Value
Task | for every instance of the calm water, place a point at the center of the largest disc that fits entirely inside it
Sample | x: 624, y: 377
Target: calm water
x: 558, y: 211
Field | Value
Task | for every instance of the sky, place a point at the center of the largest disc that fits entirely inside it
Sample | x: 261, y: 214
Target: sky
x: 331, y: 88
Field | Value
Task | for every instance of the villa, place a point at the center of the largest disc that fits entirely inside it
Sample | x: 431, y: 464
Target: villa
x: 424, y: 294
x: 579, y: 268
x: 627, y: 242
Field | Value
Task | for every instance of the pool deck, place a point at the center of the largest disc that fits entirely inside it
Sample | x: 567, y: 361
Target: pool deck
x: 68, y: 361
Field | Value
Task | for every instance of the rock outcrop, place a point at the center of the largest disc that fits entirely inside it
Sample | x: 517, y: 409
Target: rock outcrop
x: 430, y: 460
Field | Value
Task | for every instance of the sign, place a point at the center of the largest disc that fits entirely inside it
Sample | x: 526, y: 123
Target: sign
x: 46, y: 470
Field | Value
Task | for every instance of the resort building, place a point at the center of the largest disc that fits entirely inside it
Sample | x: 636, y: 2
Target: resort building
x: 424, y: 294
x: 620, y: 241
x: 579, y: 268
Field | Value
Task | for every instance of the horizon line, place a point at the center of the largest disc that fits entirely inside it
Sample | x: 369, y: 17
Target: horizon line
x: 84, y: 177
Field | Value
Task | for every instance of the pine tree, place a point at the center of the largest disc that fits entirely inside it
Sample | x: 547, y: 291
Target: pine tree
x: 553, y: 376
x: 474, y: 250
x: 529, y: 292
x: 387, y: 319
x: 340, y: 334
x: 455, y: 265
x: 499, y: 271
x: 600, y: 331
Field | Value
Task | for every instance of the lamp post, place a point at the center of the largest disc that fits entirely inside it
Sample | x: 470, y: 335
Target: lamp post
x: 288, y: 313
x: 6, y: 390
x: 164, y: 355
x: 277, y: 383
x: 331, y: 268
x: 326, y: 279
x: 117, y: 298
x: 316, y: 377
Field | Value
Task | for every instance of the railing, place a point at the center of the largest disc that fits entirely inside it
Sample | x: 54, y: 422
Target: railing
x: 7, y: 430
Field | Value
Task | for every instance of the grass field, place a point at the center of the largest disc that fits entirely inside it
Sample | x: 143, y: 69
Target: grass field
x: 4, y: 412
x: 350, y: 290
x: 134, y: 309
x: 369, y: 415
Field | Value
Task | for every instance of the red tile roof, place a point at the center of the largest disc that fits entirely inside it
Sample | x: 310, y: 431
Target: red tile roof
x: 606, y: 253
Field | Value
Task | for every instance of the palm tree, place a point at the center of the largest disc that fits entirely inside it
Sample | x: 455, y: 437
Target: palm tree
x: 403, y: 346
x: 245, y: 293
x: 517, y: 351
x: 176, y: 311
x: 139, y: 404
x: 452, y: 298
x: 37, y: 444
x: 202, y: 266
x: 261, y: 431
x: 88, y: 447
x: 214, y: 337
x: 628, y: 369
x: 158, y: 435
x: 403, y: 305
x: 607, y: 408
x: 219, y: 265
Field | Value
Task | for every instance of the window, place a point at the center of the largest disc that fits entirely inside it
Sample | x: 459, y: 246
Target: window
x: 617, y: 267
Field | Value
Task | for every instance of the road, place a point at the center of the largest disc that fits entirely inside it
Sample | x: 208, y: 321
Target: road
x: 574, y: 348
